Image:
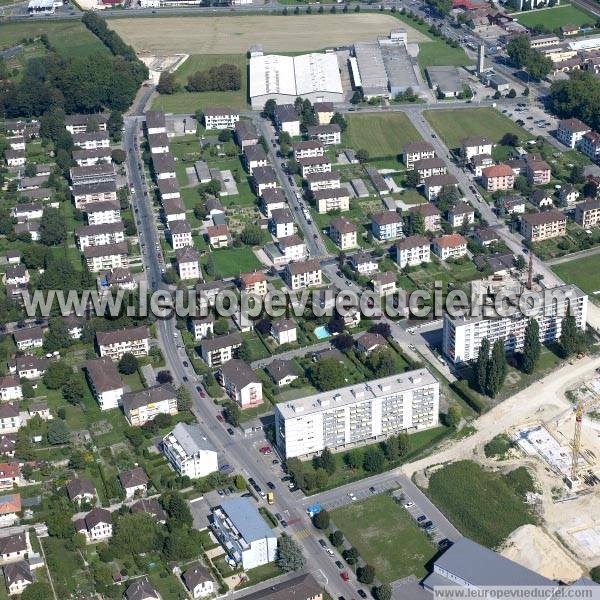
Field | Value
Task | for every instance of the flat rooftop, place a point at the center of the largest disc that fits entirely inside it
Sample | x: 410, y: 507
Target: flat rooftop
x: 356, y: 393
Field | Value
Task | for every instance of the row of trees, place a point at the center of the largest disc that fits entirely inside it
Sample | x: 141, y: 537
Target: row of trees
x: 577, y: 97
x: 523, y: 55
x: 221, y: 78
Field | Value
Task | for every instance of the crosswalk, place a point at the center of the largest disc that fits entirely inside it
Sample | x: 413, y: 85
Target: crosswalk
x: 302, y: 533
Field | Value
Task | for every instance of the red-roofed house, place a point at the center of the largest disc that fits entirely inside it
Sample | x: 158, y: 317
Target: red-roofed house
x: 498, y: 177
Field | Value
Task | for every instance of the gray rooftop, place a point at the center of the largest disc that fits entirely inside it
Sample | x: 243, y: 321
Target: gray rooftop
x: 191, y: 439
x: 246, y: 519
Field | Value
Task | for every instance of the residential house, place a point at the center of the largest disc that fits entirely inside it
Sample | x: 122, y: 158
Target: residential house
x: 416, y: 151
x: 28, y: 366
x: 327, y: 200
x: 363, y: 264
x: 384, y: 284
x: 328, y: 135
x: 386, y: 225
x: 302, y: 274
x: 292, y: 248
x: 281, y: 223
x: 10, y: 507
x: 220, y: 117
x: 308, y: 149
x: 180, y: 234
x: 343, y: 233
x: 96, y: 526
x: 282, y: 372
x: 150, y: 506
x: 571, y: 131
x: 370, y: 341
x: 202, y: 327
x: 240, y: 383
x: 15, y: 158
x: 587, y: 214
x: 324, y: 112
x: 100, y: 235
x: 537, y: 227
x: 434, y: 185
x: 323, y: 181
x: 134, y: 482
x: 81, y: 491
x: 453, y: 245
x: 105, y: 382
x: 155, y: 122
x: 29, y: 337
x: 189, y: 452
x: 542, y: 198
x: 255, y: 156
x: 10, y: 475
x: 8, y: 443
x: 568, y: 194
x: 14, y: 547
x: 590, y: 145
x: 141, y: 589
x: 431, y: 215
x: 300, y: 587
x: 486, y: 236
x: 513, y: 205
x: 475, y: 145
x: 80, y: 123
x: 286, y: 119
x: 314, y: 164
x: 106, y: 257
x: 88, y: 193
x: 412, y: 251
x: 263, y: 178
x: 17, y: 576
x: 498, y: 177
x: 159, y: 143
x: 284, y: 331
x: 245, y: 133
x: 218, y: 350
x: 164, y: 166
x: 132, y: 340
x: 480, y: 162
x: 461, y: 214
x: 173, y: 210
x: 143, y: 405
x: 103, y: 211
x: 273, y: 199
x: 537, y: 171
x: 198, y: 581
x: 10, y: 389
x: 218, y: 236
x: 39, y: 409
x: 90, y: 140
x: 16, y: 275
x: 254, y: 283
x: 428, y: 167
x: 169, y: 189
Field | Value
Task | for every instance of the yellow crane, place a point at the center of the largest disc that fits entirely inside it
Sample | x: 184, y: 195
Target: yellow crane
x: 576, y: 444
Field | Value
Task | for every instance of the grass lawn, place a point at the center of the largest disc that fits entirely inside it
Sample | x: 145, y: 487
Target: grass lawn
x: 438, y: 53
x: 556, y: 17
x: 68, y: 37
x: 484, y: 506
x: 261, y: 573
x: 583, y: 272
x: 191, y: 101
x: 233, y: 261
x: 455, y: 124
x: 382, y: 135
x: 385, y: 536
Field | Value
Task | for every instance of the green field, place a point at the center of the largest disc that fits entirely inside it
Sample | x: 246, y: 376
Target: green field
x: 386, y: 537
x: 583, y: 272
x: 482, y: 505
x: 455, y: 124
x: 438, y: 53
x: 382, y: 135
x: 191, y: 101
x: 233, y: 261
x: 558, y: 16
x: 70, y: 38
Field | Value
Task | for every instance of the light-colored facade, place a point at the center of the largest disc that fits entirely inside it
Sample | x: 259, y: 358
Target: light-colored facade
x: 300, y: 275
x: 453, y: 245
x: 220, y: 118
x: 142, y: 406
x: 587, y: 213
x: 240, y: 383
x: 105, y: 382
x: 132, y: 340
x: 498, y: 177
x: 343, y: 233
x: 189, y: 452
x: 357, y: 414
x: 413, y: 251
x: 537, y: 227
x: 571, y: 131
x: 328, y: 200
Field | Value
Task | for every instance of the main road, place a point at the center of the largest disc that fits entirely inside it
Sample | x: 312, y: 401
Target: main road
x: 233, y: 449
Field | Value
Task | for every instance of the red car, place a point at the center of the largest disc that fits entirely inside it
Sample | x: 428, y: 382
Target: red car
x: 344, y: 575
x: 220, y: 418
x: 265, y: 450
x: 202, y: 394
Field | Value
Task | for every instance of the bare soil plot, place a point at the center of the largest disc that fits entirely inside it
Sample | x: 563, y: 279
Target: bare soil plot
x: 231, y: 35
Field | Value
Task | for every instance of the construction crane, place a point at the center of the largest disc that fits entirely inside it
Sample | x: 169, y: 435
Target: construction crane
x: 576, y: 444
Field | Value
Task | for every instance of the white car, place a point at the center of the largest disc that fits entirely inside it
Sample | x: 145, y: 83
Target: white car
x: 409, y: 504
x: 329, y: 551
x: 351, y: 496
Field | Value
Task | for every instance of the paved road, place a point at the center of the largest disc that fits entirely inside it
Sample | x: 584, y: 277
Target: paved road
x: 233, y: 450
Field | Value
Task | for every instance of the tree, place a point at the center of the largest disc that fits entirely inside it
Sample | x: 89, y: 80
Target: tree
x: 412, y: 178
x: 326, y: 374
x: 354, y: 459
x: 56, y: 375
x: 511, y: 93
x: 481, y: 365
x: 594, y: 574
x: 233, y: 413
x: 337, y: 538
x: 321, y: 519
x: 343, y: 342
x: 327, y: 461
x: 383, y: 592
x: 251, y: 235
x: 366, y: 574
x: 520, y: 263
x: 177, y: 508
x: 374, y: 460
x: 339, y: 119
x: 497, y: 369
x: 289, y: 554
x: 53, y: 227
x: 577, y: 175
x: 510, y: 139
x: 135, y: 533
x: 362, y: 154
x: 570, y: 338
x: 350, y: 555
x: 184, y: 400
x: 453, y: 417
x: 38, y: 590
x: 114, y: 125
x: 416, y: 223
x: 167, y: 83
x: 531, y: 347
x: 118, y: 156
x: 183, y: 543
x: 73, y: 390
x: 58, y: 432
x: 269, y: 108
x: 57, y: 337
x: 538, y: 65
x: 164, y: 377
x: 128, y: 364
x: 382, y: 362
x: 518, y: 50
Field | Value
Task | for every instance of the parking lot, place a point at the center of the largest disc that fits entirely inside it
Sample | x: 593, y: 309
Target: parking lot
x: 422, y: 519
x: 357, y: 495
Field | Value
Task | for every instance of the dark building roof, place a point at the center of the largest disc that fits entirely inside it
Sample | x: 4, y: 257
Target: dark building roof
x: 238, y: 372
x: 78, y: 486
x: 150, y: 506
x: 195, y: 575
x: 141, y: 589
x: 302, y: 587
x: 13, y: 543
x: 157, y: 393
x: 280, y: 369
x: 119, y: 336
x: 104, y: 374
x: 17, y: 572
x: 133, y: 477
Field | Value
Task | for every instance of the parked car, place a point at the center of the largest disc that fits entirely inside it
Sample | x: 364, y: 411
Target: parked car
x: 278, y: 516
x: 284, y: 524
x: 220, y: 418
x: 421, y: 518
x: 270, y: 485
x: 362, y: 593
x: 230, y: 431
x: 409, y: 504
x: 344, y: 575
x: 322, y: 543
x: 339, y: 564
x: 265, y: 450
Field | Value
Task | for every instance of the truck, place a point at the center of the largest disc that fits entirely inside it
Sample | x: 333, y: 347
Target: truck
x: 313, y: 509
x: 270, y: 498
x: 307, y: 215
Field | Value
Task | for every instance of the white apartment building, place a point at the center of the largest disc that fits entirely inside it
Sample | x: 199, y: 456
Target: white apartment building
x: 240, y: 383
x: 328, y: 134
x: 189, y: 452
x: 314, y: 164
x: 106, y: 258
x: 201, y: 327
x: 272, y: 199
x: 448, y: 246
x: 159, y: 143
x: 105, y: 382
x: 155, y: 122
x: 590, y: 145
x: 218, y: 350
x: 293, y: 248
x: 304, y: 274
x: 242, y: 531
x: 281, y: 223
x: 10, y: 418
x: 587, y: 213
x: 284, y: 331
x: 343, y: 233
x: 324, y: 181
x: 357, y: 414
x: 462, y: 336
x: 308, y: 149
x: 412, y: 251
x: 10, y: 389
x: 187, y: 263
x: 571, y: 131
x: 180, y: 234
x: 91, y: 140
x: 80, y: 123
x: 415, y: 151
x: 99, y: 213
x: 475, y: 145
x: 142, y: 406
x: 327, y: 200
x: 434, y: 185
x: 100, y: 235
x: 428, y: 167
x: 132, y: 340
x: 218, y: 117
x: 386, y: 225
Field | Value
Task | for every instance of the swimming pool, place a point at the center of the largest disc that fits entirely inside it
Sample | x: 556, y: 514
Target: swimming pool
x: 321, y: 332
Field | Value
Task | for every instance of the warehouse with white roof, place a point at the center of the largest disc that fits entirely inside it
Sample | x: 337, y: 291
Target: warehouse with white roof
x: 315, y: 76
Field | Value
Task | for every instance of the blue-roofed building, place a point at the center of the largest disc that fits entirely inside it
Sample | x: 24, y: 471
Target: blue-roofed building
x: 244, y: 534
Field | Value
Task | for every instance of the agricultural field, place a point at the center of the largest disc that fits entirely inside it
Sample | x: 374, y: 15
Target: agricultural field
x: 556, y: 17
x: 483, y: 505
x: 70, y: 38
x: 234, y: 34
x: 382, y: 135
x: 230, y: 262
x: 453, y: 125
x: 386, y: 537
x: 583, y: 272
x: 184, y: 102
x: 439, y: 53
